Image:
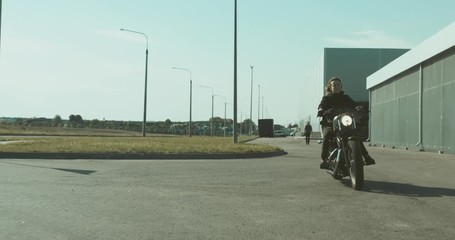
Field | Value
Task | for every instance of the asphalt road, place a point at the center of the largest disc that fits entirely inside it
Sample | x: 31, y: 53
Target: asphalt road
x: 407, y: 195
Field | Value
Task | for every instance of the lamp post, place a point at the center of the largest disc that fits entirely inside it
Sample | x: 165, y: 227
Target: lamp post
x: 224, y: 113
x: 251, y: 103
x: 211, y: 120
x: 225, y: 116
x: 191, y: 95
x: 259, y: 101
x: 234, y: 135
x: 146, y: 66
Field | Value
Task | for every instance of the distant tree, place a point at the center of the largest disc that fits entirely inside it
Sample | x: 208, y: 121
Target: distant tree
x: 79, y: 119
x: 56, y: 121
x: 246, y: 126
x: 94, y: 123
x: 218, y: 124
x: 76, y: 120
x: 72, y: 118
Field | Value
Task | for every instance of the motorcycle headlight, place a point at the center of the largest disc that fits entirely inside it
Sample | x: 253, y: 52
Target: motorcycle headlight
x: 346, y: 120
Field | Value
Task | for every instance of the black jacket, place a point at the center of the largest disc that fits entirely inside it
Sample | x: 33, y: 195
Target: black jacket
x: 335, y: 100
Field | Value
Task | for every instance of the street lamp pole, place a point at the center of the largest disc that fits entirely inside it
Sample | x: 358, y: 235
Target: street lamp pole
x: 224, y: 113
x: 211, y: 120
x: 146, y: 67
x: 259, y: 101
x: 225, y: 103
x: 234, y: 135
x: 241, y: 122
x: 251, y: 103
x: 191, y: 96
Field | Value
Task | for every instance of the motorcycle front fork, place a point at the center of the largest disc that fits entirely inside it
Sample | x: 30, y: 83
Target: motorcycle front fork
x: 335, y: 158
x: 333, y: 155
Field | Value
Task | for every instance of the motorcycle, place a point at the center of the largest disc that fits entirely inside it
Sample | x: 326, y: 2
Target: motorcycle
x: 345, y: 155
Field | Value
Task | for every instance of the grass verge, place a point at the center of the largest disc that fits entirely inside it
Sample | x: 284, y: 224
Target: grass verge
x: 69, y: 140
x: 162, y: 145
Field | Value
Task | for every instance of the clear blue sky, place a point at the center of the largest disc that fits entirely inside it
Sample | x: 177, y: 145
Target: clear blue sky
x: 69, y: 57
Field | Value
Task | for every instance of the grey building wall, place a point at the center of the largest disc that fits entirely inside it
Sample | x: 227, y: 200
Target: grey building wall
x: 352, y: 65
x: 405, y: 115
x: 412, y: 98
x: 395, y: 111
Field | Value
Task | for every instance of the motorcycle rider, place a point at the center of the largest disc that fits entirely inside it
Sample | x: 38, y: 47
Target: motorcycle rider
x: 335, y: 98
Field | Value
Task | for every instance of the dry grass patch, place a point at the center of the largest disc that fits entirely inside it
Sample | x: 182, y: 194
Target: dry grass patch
x: 162, y: 144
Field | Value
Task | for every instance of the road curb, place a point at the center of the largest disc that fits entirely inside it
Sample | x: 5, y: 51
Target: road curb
x: 143, y: 156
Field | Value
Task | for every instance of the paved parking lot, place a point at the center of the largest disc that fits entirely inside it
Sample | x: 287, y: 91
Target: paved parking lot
x: 407, y: 195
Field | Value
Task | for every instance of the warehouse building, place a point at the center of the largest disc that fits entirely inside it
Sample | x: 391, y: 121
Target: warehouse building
x: 352, y: 65
x: 412, y: 98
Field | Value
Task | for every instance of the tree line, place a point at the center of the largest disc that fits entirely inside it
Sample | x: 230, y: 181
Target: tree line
x: 220, y: 125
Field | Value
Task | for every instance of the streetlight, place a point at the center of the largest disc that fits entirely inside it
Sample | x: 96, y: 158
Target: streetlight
x: 211, y: 120
x: 251, y: 103
x: 191, y: 94
x: 241, y: 122
x: 146, y: 66
x: 224, y: 113
x: 225, y: 107
x: 234, y: 135
x: 259, y: 100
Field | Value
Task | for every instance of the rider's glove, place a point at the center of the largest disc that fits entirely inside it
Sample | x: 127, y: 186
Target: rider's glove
x: 329, y: 111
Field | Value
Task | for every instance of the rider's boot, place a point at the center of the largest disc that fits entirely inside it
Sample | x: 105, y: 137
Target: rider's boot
x: 324, y: 164
x: 369, y: 160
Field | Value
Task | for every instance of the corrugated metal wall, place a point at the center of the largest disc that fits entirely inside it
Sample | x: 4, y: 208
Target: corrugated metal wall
x: 395, y: 111
x: 395, y: 107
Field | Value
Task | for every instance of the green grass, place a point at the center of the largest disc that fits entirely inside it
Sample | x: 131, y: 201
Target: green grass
x: 53, y: 140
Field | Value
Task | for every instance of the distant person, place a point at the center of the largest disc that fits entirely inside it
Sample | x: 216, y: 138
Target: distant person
x: 335, y: 98
x: 307, y: 133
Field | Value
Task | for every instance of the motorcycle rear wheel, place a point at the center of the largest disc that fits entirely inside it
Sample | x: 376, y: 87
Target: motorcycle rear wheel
x: 354, y: 156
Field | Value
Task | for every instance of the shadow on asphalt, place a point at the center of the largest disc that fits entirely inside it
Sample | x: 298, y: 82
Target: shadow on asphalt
x: 402, y: 189
x: 78, y: 171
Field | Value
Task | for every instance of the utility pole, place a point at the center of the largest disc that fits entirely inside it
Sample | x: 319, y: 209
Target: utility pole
x: 235, y: 73
x: 251, y: 104
x: 259, y: 101
x: 144, y: 121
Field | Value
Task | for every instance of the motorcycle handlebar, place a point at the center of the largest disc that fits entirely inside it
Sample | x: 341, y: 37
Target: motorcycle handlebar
x: 322, y: 113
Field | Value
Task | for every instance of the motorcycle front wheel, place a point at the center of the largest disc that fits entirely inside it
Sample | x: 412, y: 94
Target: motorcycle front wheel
x: 354, y: 156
